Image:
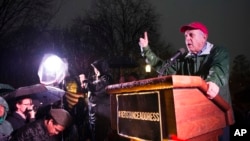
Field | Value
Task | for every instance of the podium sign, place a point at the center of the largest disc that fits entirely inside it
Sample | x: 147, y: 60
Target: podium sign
x: 140, y: 111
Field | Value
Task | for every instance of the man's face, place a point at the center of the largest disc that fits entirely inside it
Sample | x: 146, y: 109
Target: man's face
x: 2, y: 110
x: 54, y: 129
x: 25, y: 104
x: 82, y: 78
x: 195, y: 40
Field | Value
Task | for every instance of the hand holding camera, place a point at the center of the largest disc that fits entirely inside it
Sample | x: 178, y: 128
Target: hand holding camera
x: 31, y: 111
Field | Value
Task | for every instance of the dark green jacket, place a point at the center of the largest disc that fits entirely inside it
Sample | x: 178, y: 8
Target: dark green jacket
x: 211, y: 65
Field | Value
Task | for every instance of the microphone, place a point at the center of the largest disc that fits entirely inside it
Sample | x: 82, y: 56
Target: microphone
x: 180, y: 52
x: 169, y: 62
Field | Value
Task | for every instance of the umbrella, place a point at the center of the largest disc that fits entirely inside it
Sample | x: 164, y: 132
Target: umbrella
x: 5, y: 88
x: 42, y: 95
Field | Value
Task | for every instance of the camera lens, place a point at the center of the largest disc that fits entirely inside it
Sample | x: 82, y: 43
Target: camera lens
x: 35, y: 108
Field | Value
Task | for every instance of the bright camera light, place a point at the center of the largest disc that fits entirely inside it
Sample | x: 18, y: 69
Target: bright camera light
x: 52, y: 69
x: 52, y: 63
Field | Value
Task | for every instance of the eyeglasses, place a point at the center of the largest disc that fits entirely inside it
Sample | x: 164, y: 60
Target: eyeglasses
x: 28, y: 104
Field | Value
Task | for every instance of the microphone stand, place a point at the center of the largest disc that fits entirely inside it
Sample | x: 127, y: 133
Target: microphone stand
x: 167, y: 64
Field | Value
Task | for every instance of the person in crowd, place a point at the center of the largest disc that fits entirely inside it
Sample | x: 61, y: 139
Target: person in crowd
x: 204, y: 59
x: 56, y: 121
x: 133, y: 76
x: 79, y: 113
x: 5, y: 127
x: 98, y: 100
x: 23, y: 112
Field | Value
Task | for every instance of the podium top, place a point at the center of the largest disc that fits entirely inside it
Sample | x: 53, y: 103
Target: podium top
x: 163, y: 82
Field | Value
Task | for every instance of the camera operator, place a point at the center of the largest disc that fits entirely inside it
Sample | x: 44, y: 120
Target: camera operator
x: 23, y: 114
x: 98, y: 100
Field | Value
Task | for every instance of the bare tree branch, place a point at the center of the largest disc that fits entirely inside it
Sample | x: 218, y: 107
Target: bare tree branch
x: 115, y: 26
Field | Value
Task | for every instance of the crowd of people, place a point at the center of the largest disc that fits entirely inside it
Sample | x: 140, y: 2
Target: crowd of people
x: 21, y: 124
x: 204, y: 59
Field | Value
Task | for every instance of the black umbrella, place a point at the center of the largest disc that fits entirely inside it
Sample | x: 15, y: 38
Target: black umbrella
x: 5, y: 88
x: 42, y: 95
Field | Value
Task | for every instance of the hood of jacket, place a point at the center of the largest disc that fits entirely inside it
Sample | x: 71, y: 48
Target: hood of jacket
x: 102, y: 66
x: 6, y: 107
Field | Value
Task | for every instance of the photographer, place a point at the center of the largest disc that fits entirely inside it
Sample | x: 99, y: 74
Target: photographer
x: 98, y: 100
x: 23, y: 113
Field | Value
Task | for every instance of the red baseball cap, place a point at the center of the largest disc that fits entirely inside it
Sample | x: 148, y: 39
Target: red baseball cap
x: 194, y: 25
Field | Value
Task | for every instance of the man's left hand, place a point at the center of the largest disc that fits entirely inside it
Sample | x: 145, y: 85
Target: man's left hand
x: 212, y: 90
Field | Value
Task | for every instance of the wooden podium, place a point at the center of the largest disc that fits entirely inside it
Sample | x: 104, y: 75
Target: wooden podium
x: 153, y: 109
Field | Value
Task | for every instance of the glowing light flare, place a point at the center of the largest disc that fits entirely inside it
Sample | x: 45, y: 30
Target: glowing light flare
x: 52, y: 69
x: 52, y: 63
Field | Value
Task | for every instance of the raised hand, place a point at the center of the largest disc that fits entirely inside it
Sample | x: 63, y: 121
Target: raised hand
x: 143, y: 42
x: 32, y: 112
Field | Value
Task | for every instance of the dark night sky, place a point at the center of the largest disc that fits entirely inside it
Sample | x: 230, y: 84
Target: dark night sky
x: 227, y: 20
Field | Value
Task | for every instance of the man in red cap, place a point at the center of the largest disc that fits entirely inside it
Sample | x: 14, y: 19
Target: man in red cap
x: 204, y: 59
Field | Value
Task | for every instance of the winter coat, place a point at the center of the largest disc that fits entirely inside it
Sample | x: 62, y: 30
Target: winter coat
x: 16, y: 120
x: 5, y: 126
x: 35, y: 131
x: 212, y: 64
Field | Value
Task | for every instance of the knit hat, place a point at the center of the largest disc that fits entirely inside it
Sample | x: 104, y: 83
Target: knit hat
x: 194, y: 25
x: 61, y: 116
